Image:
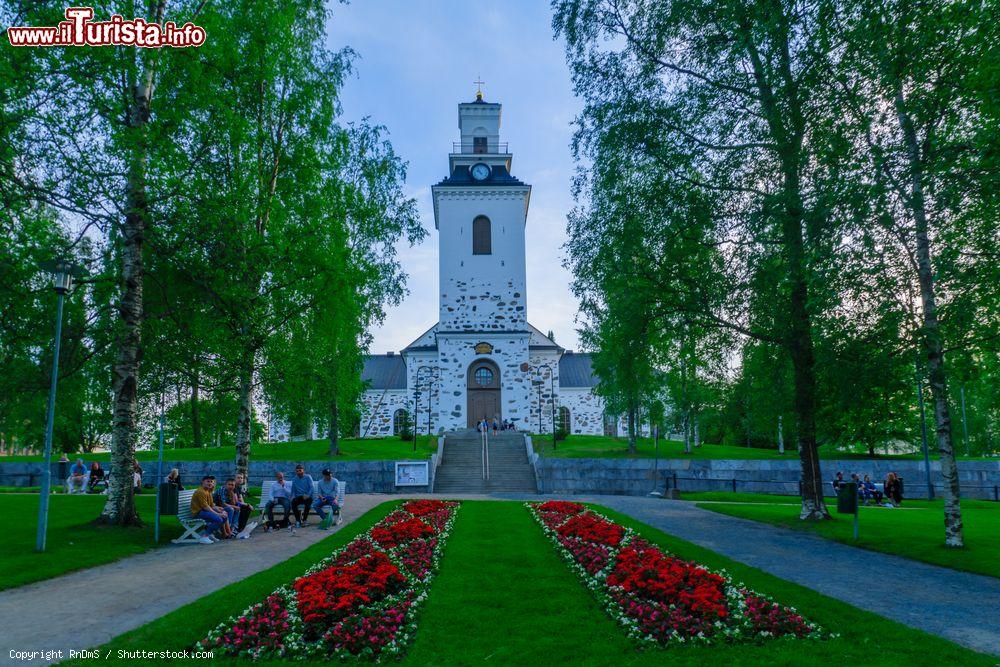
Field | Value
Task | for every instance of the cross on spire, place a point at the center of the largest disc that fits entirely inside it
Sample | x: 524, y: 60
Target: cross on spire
x: 479, y: 87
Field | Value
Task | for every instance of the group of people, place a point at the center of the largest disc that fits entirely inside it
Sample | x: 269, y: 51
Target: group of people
x: 96, y: 479
x: 300, y: 495
x: 226, y: 512
x: 891, y: 491
x: 496, y: 425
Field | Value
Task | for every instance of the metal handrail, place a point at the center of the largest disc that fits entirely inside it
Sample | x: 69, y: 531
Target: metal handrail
x: 486, y: 453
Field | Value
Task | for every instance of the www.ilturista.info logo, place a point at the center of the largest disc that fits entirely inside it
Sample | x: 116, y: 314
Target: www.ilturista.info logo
x: 79, y: 30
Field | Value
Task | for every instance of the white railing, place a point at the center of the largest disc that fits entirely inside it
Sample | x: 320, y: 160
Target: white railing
x: 486, y: 453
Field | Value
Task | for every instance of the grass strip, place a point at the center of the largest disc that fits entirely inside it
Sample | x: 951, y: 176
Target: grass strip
x: 73, y: 542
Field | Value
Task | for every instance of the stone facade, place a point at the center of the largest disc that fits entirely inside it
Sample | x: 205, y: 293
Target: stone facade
x: 378, y: 411
x: 586, y: 411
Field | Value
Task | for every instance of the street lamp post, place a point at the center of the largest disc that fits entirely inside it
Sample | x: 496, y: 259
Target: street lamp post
x: 63, y: 273
x: 159, y: 473
x: 525, y: 367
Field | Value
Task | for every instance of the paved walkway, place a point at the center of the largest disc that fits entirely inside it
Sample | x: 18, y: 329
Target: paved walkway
x: 87, y: 608
x: 63, y: 613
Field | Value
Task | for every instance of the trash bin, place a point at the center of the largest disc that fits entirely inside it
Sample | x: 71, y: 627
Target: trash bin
x: 847, y: 498
x: 168, y: 499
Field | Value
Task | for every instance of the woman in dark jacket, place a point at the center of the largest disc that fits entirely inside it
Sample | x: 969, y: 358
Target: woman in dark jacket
x: 894, y: 489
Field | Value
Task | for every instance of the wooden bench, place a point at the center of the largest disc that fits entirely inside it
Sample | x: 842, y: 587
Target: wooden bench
x: 189, y: 522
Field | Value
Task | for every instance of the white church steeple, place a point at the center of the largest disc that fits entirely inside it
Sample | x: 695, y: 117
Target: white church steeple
x: 480, y: 211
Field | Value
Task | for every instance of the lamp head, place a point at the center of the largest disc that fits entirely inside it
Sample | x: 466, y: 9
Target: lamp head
x: 63, y: 271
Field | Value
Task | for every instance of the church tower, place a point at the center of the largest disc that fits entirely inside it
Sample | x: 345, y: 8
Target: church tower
x: 482, y: 337
x: 480, y: 212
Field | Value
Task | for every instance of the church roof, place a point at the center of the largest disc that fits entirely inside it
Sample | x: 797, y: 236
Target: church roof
x: 384, y: 371
x: 577, y: 370
x: 461, y: 177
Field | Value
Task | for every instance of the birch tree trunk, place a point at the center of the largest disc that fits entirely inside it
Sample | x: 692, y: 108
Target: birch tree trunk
x: 120, y: 506
x: 335, y: 427
x: 930, y: 333
x: 243, y: 424
x: 196, y: 410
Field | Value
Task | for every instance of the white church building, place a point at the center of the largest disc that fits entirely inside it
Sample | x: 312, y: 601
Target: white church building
x: 482, y: 358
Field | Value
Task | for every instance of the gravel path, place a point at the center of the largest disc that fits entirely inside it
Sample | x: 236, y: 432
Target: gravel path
x: 87, y: 608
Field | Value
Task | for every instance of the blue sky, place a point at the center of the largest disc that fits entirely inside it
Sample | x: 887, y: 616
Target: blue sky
x: 417, y: 60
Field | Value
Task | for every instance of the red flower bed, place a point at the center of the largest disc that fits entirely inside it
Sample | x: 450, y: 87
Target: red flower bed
x: 403, y: 531
x: 261, y: 628
x: 358, y: 633
x: 651, y: 575
x: 354, y: 551
x: 593, y: 557
x: 658, y: 597
x: 422, y: 507
x: 334, y: 592
x: 768, y: 616
x: 590, y: 527
x: 360, y: 601
x: 418, y: 556
x: 561, y: 506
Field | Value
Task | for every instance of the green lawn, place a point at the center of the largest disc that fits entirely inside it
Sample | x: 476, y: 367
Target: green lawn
x: 600, y: 446
x: 504, y: 597
x: 72, y: 542
x: 353, y: 449
x: 916, y: 530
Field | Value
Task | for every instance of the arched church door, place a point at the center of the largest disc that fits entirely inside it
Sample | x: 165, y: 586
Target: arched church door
x: 483, y: 391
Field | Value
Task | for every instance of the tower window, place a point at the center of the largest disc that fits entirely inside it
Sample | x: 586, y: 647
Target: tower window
x: 481, y: 241
x: 479, y: 145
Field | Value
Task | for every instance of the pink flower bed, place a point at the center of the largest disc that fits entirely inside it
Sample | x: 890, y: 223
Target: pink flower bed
x: 657, y: 597
x: 358, y: 603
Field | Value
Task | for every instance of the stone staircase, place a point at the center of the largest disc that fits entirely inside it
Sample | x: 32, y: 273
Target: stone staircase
x: 461, y: 469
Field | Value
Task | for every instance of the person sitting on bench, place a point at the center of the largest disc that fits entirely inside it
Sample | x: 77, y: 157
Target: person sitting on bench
x: 302, y: 495
x: 202, y: 507
x: 77, y: 475
x: 871, y: 491
x: 229, y: 500
x: 241, y: 485
x: 894, y: 489
x: 329, y: 489
x: 838, y: 481
x: 97, y: 477
x: 280, y: 494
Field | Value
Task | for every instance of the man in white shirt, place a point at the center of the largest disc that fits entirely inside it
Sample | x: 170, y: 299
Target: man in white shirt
x: 280, y: 494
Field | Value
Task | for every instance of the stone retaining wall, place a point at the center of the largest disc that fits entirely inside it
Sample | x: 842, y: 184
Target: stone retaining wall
x: 361, y: 476
x: 978, y: 479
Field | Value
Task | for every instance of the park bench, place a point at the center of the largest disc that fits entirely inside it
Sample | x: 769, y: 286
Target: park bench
x: 265, y: 491
x: 189, y: 522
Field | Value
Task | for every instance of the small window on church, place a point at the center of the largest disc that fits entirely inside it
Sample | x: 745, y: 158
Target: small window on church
x: 481, y: 241
x: 478, y: 144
